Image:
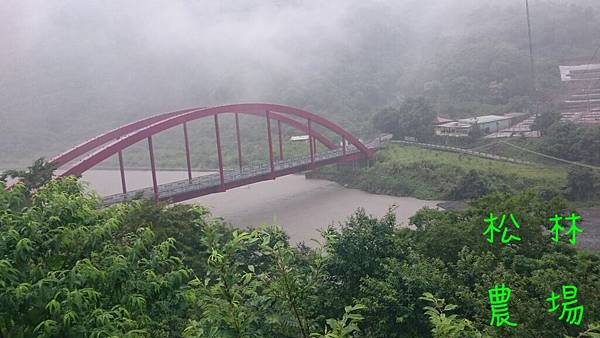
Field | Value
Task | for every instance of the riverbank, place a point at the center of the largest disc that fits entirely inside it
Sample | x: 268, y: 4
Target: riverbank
x: 403, y: 170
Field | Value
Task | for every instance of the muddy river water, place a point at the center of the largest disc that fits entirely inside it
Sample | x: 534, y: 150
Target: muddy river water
x: 301, y: 206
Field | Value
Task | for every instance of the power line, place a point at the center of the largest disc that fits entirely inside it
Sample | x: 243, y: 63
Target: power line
x: 551, y: 157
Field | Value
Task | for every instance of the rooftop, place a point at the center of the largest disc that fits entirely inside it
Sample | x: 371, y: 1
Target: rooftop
x: 484, y: 119
x: 454, y: 124
x: 568, y: 73
x: 441, y: 119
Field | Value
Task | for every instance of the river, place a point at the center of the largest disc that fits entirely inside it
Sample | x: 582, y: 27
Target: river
x: 301, y: 206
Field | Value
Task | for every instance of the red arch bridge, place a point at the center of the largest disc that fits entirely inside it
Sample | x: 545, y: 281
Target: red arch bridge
x: 341, y: 147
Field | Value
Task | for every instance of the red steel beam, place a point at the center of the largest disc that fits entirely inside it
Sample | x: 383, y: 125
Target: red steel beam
x: 279, y: 117
x: 153, y: 168
x: 122, y: 169
x: 101, y: 139
x: 219, y: 153
x: 187, y: 152
x: 270, y: 141
x: 280, y: 141
x: 239, y: 143
x: 256, y: 108
x: 114, y: 134
x: 310, y: 143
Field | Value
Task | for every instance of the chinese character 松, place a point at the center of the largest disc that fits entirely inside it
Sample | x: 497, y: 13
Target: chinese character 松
x: 492, y: 228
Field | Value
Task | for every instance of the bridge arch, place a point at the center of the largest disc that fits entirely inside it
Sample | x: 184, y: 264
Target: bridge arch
x: 119, y: 132
x: 115, y: 141
x: 159, y: 123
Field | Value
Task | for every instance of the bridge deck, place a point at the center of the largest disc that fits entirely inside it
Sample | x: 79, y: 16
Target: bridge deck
x: 205, y: 184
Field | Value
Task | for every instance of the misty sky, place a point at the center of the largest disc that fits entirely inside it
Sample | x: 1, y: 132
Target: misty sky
x: 64, y: 61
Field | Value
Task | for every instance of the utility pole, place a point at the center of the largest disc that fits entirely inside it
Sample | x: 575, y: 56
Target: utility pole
x: 532, y: 64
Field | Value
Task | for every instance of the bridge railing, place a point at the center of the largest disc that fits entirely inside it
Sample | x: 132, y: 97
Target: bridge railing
x: 214, y: 180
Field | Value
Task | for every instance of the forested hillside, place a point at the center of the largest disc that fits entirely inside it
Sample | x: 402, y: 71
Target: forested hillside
x: 69, y: 269
x: 72, y: 70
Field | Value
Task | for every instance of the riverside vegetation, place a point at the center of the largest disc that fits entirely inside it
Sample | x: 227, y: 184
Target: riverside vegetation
x: 429, y: 174
x: 71, y: 269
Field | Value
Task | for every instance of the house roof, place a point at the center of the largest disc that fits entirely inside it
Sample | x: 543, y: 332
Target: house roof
x: 454, y: 124
x: 441, y: 119
x: 484, y: 119
x: 514, y: 114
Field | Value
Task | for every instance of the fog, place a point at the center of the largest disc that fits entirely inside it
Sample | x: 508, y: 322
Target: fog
x: 70, y: 69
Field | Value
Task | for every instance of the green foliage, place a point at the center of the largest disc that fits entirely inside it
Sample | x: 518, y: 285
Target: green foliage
x: 443, y: 324
x: 346, y: 327
x: 592, y: 332
x: 580, y: 183
x: 34, y: 177
x: 430, y: 174
x: 544, y: 121
x: 572, y: 142
x: 448, y: 253
x: 70, y: 269
x: 67, y: 273
x: 386, y: 120
x: 412, y: 118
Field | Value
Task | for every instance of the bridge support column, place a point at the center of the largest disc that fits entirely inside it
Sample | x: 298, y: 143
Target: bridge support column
x: 280, y: 140
x: 310, y: 144
x: 122, y: 169
x: 219, y: 153
x: 239, y: 143
x: 344, y: 146
x: 267, y: 113
x: 187, y: 152
x: 153, y: 169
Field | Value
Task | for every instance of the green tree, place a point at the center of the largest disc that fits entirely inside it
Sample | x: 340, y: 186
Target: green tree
x: 545, y: 120
x: 443, y: 324
x: 414, y: 118
x: 34, y: 177
x: 386, y: 121
x: 580, y: 183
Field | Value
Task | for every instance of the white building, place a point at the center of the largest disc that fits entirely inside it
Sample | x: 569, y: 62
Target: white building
x: 452, y: 129
x: 489, y: 123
